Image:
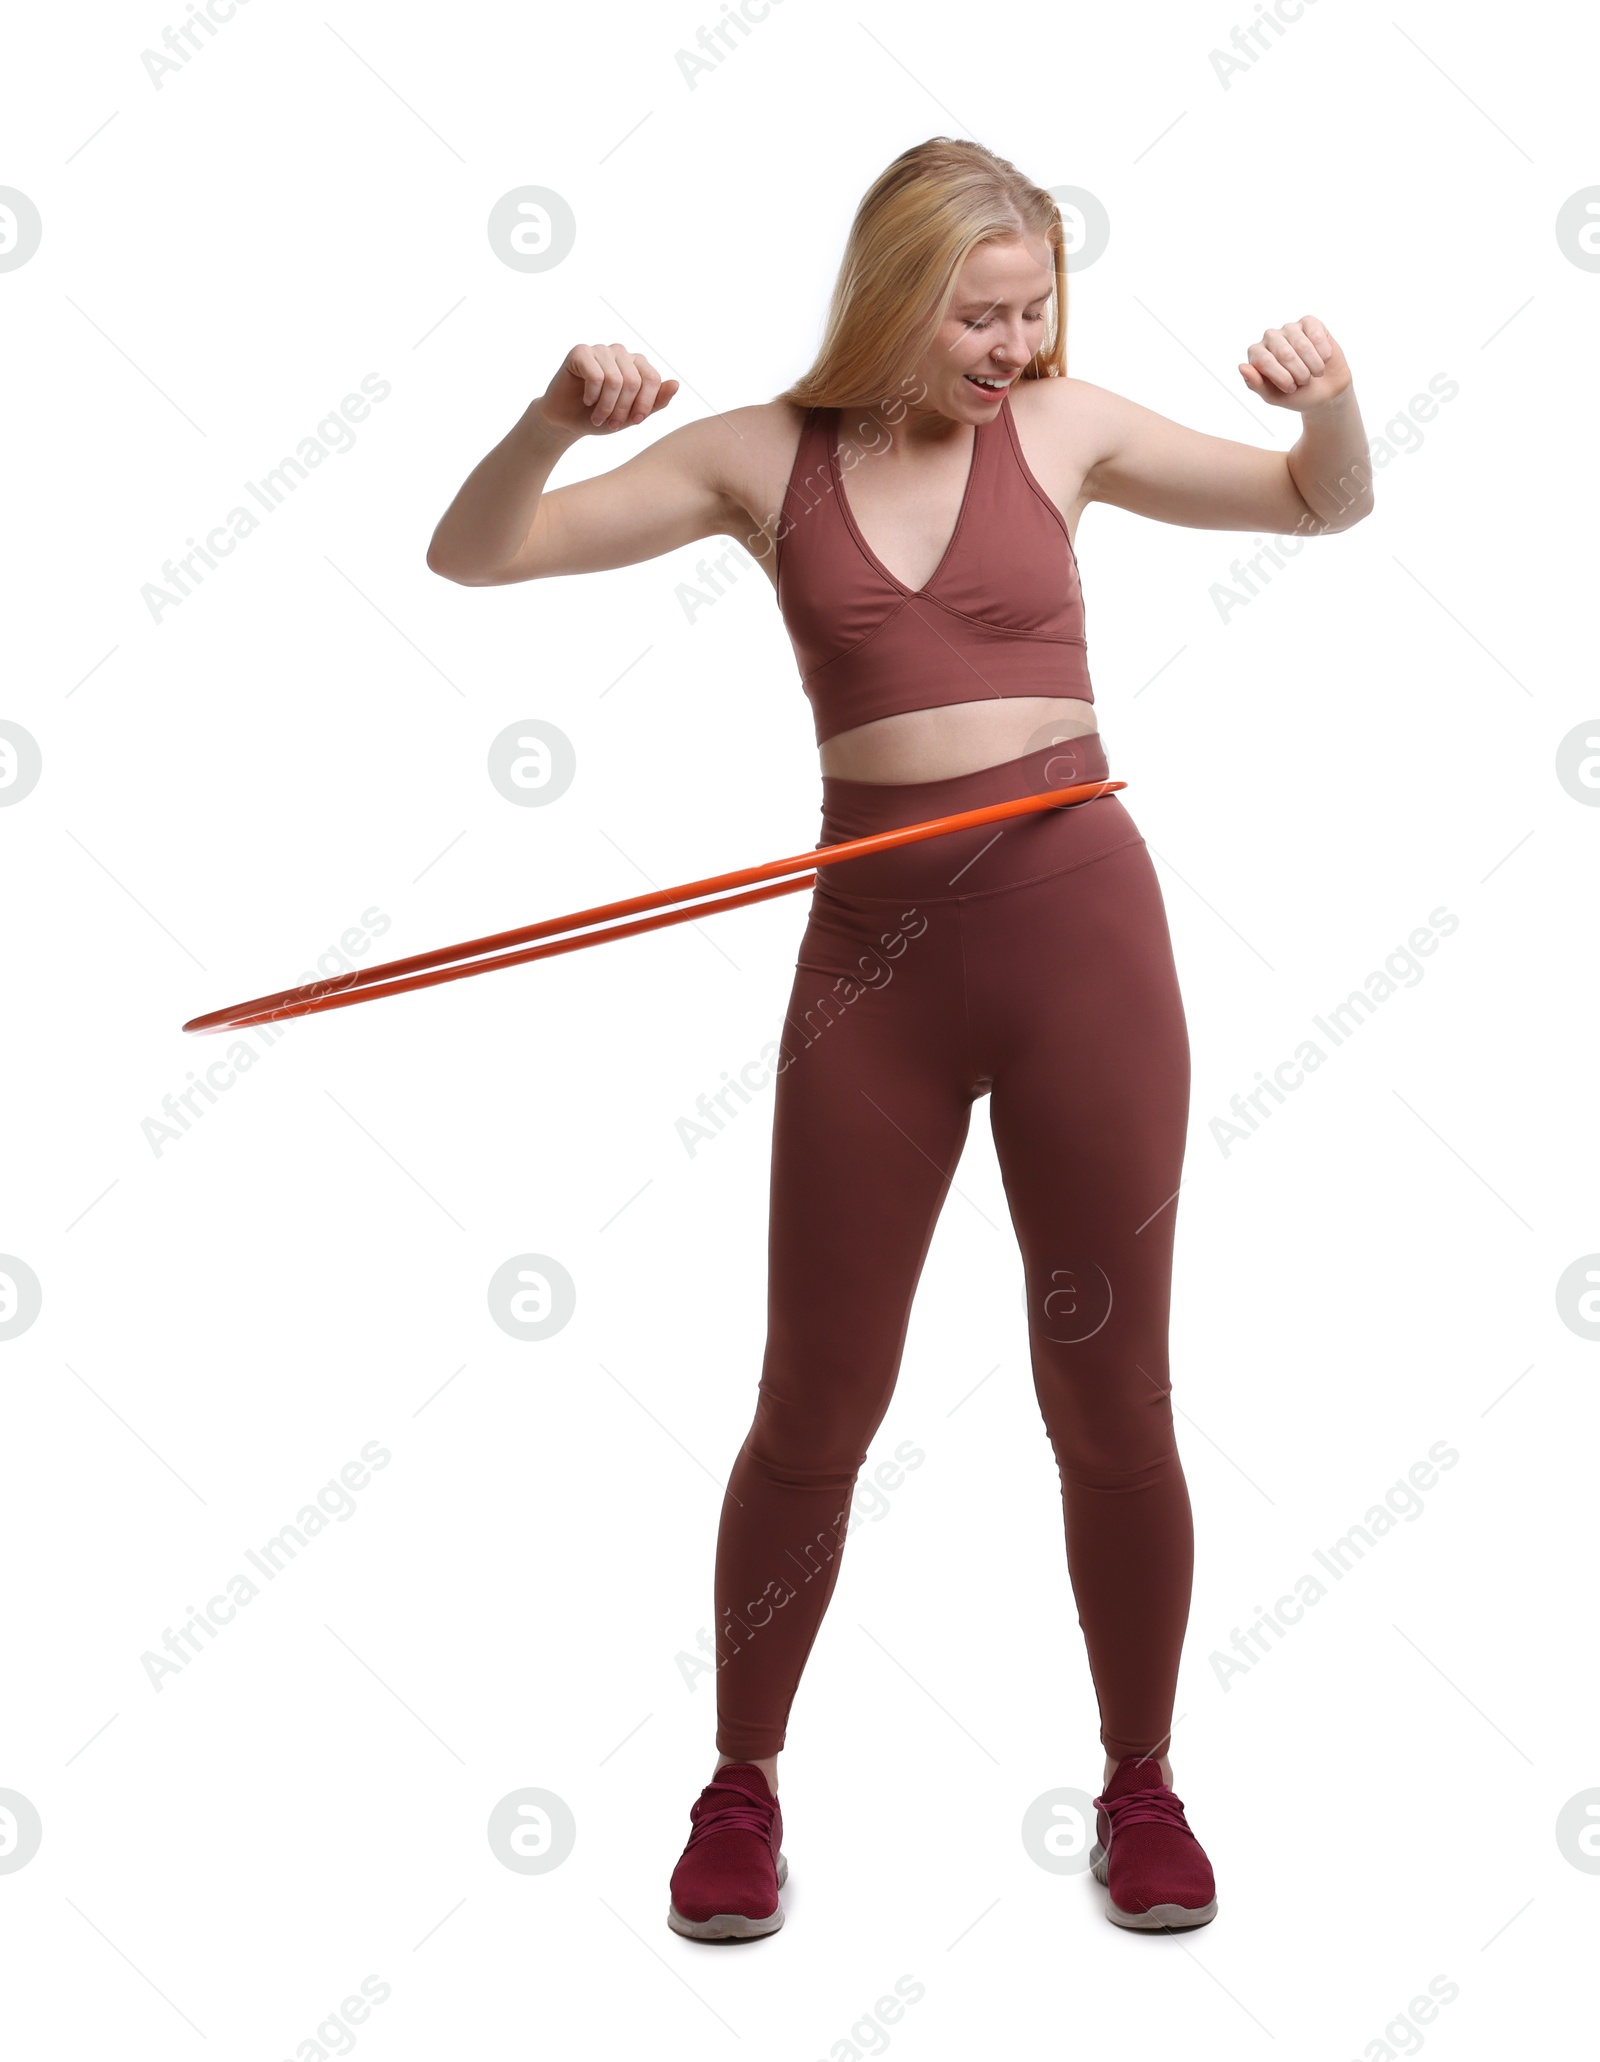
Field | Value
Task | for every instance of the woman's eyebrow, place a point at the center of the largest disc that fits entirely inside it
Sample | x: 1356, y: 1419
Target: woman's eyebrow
x: 988, y: 307
x: 1043, y: 294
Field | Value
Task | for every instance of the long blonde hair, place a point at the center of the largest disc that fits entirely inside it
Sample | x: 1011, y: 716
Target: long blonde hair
x: 912, y: 232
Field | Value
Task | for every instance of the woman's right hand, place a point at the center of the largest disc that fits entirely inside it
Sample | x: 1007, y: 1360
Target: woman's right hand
x: 599, y: 388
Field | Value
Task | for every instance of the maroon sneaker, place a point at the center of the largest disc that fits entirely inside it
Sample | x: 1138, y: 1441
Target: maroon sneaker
x: 725, y: 1886
x: 1154, y: 1869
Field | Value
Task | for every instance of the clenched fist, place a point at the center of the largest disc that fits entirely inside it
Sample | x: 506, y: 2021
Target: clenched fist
x: 1298, y: 367
x: 603, y: 387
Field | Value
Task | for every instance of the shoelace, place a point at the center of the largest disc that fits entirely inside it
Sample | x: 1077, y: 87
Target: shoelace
x: 740, y: 1812
x: 1162, y: 1807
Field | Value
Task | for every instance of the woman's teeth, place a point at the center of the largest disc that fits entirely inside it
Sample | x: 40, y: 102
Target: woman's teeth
x: 993, y: 386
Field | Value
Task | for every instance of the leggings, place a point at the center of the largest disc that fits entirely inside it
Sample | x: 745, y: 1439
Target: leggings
x: 1028, y: 961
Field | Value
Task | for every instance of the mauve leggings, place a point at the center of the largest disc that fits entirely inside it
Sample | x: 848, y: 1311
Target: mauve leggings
x: 1031, y: 962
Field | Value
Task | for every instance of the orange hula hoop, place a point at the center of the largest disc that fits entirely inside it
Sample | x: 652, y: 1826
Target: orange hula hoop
x: 425, y: 969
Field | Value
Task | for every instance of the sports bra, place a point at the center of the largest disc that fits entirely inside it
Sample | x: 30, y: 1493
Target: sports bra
x: 1002, y: 614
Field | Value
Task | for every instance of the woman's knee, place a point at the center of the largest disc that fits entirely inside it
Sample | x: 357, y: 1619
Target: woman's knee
x: 814, y: 1444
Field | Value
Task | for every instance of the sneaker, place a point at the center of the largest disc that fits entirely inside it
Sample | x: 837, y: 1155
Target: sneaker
x: 726, y: 1884
x: 1154, y: 1869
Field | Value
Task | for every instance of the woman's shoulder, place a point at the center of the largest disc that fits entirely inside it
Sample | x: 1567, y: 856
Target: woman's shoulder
x: 740, y: 446
x: 1061, y: 399
x: 773, y: 422
x: 1067, y: 421
x: 752, y: 451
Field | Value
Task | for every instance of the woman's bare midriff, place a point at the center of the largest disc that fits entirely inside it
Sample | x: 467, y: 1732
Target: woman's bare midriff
x: 963, y: 737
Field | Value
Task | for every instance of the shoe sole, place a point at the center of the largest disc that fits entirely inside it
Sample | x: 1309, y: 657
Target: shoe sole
x: 730, y: 1925
x: 1161, y: 1918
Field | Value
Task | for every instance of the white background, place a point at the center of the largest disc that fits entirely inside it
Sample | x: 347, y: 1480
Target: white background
x: 226, y: 1322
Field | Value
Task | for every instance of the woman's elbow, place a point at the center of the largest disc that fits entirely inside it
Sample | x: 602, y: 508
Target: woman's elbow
x: 440, y: 561
x: 1357, y: 512
x: 1336, y: 514
x: 463, y: 572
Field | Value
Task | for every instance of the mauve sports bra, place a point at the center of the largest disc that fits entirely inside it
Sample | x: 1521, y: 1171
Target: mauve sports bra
x: 1002, y: 614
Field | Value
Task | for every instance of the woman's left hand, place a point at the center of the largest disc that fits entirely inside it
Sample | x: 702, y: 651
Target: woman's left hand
x: 1299, y: 366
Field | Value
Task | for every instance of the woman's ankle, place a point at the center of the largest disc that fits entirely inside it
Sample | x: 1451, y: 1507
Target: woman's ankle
x: 1161, y: 1761
x: 768, y: 1765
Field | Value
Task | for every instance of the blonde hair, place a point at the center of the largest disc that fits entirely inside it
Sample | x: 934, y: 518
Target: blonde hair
x: 912, y: 232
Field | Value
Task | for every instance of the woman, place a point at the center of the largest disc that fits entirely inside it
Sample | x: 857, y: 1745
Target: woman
x: 935, y: 611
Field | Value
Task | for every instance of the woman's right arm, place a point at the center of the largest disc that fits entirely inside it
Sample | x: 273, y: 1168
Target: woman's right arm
x: 503, y: 526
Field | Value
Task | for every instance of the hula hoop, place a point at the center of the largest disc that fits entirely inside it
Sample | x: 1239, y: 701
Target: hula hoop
x: 397, y: 976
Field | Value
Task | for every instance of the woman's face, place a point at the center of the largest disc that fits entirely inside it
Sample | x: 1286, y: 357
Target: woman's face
x: 998, y: 318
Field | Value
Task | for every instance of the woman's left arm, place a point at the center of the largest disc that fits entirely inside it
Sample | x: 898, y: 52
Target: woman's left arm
x: 1152, y: 466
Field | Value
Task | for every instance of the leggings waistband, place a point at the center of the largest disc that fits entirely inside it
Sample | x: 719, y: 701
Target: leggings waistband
x: 991, y: 855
